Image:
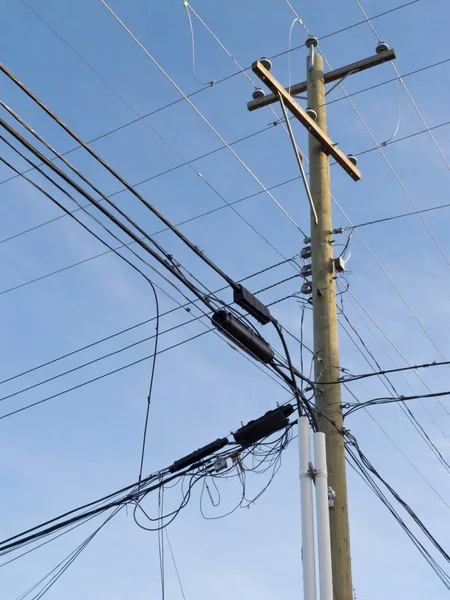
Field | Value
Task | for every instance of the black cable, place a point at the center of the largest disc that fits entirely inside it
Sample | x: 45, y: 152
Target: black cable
x: 150, y: 389
x: 105, y: 356
x: 390, y: 400
x: 67, y: 562
x: 388, y: 371
x: 73, y: 352
x: 368, y: 465
x: 99, y: 377
x: 130, y: 494
x: 165, y: 263
x: 114, y: 173
x: 173, y: 268
x: 406, y: 410
x: 362, y: 472
x: 294, y: 388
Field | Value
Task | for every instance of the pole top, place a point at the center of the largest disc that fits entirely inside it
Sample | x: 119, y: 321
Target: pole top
x: 312, y: 41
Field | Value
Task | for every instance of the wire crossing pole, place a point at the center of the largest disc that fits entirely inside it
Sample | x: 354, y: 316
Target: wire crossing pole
x: 326, y: 359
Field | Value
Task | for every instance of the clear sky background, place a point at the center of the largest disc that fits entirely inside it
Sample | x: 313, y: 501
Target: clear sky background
x: 86, y: 443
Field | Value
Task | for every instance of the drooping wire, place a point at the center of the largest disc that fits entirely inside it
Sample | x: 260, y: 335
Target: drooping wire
x: 150, y: 388
x: 201, y: 115
x: 397, y: 127
x: 191, y: 28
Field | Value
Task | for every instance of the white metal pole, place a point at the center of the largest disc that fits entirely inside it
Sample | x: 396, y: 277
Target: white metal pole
x: 323, y: 518
x: 308, y: 551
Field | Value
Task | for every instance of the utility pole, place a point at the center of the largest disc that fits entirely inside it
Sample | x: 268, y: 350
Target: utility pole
x: 323, y: 289
x: 326, y: 347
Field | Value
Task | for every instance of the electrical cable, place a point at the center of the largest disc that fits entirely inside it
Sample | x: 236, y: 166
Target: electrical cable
x: 132, y: 327
x: 405, y: 409
x: 351, y: 440
x: 348, y: 27
x: 65, y: 563
x: 175, y: 564
x: 388, y: 371
x: 232, y: 203
x: 104, y: 356
x: 165, y: 263
x: 375, y: 401
x: 200, y: 114
x: 129, y: 494
x: 191, y: 28
x: 97, y: 204
x: 408, y: 93
x: 362, y: 472
x: 152, y: 129
x: 192, y: 287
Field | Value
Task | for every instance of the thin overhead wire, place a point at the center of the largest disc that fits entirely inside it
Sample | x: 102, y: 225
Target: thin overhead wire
x: 394, y: 346
x: 143, y: 119
x: 201, y: 115
x: 348, y: 27
x: 187, y: 307
x: 396, y: 370
x: 175, y: 271
x: 397, y: 127
x: 404, y: 408
x: 408, y: 93
x: 123, y: 348
x: 172, y: 555
x: 194, y: 69
x: 394, y: 173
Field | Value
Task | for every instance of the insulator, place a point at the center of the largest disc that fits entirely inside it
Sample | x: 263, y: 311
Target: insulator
x: 352, y: 159
x: 266, y: 63
x: 306, y: 270
x: 306, y: 288
x: 312, y: 41
x: 311, y: 114
x: 305, y: 252
x: 258, y: 94
x: 382, y: 47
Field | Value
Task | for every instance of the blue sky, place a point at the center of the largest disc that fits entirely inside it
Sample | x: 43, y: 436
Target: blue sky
x: 86, y: 443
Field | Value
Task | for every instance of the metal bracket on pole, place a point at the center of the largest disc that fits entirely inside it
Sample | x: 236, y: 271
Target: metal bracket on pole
x: 339, y: 82
x: 299, y: 160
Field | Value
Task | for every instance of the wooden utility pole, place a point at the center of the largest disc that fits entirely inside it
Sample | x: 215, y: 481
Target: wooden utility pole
x: 326, y: 349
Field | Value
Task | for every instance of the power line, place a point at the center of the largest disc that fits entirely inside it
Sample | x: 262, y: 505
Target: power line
x: 405, y: 409
x: 237, y: 141
x: 174, y: 270
x: 389, y: 371
x: 393, y: 171
x: 347, y: 28
x: 155, y: 132
x: 270, y: 188
x: 104, y: 356
x: 141, y: 323
x: 408, y: 93
x: 389, y: 400
x: 97, y: 204
x: 201, y: 115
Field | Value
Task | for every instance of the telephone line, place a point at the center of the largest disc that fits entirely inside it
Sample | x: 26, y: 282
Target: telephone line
x: 141, y: 323
x: 104, y: 356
